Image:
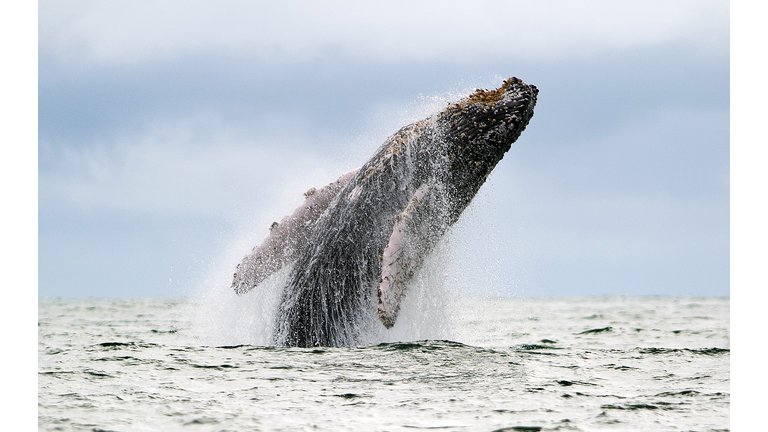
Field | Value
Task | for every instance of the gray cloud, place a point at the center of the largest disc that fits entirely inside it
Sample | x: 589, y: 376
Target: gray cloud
x: 131, y: 32
x: 164, y: 148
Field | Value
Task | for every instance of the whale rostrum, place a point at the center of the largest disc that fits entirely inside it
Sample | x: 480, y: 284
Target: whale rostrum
x: 356, y: 244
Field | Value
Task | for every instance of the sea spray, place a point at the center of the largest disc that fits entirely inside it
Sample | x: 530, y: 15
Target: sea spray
x: 223, y: 318
x: 226, y: 319
x: 426, y: 312
x: 383, y: 224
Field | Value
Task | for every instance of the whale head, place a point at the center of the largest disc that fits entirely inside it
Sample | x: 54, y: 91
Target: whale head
x: 491, y: 118
x: 479, y: 129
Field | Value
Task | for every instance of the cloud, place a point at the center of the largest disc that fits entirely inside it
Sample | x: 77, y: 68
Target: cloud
x: 130, y: 32
x: 169, y: 128
x: 194, y: 168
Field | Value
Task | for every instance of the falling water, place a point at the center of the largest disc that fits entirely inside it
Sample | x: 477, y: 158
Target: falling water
x: 428, y: 310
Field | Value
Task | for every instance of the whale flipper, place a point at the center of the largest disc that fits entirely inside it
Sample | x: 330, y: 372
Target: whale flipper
x: 415, y: 232
x: 286, y: 238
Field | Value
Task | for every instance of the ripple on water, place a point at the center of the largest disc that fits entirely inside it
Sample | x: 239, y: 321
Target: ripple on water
x: 547, y: 373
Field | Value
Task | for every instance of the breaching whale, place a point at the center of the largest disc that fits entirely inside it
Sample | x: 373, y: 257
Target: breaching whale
x: 355, y: 244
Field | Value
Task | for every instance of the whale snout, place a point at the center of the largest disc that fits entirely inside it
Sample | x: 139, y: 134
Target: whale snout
x: 518, y: 98
x: 493, y: 117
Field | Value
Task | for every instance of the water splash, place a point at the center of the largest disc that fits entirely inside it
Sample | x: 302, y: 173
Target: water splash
x: 227, y: 319
x: 426, y: 312
x: 421, y: 180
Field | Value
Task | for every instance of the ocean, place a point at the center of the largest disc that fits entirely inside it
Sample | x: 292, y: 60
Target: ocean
x: 471, y: 364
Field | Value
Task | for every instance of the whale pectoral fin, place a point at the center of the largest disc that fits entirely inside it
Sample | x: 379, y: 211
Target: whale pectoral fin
x: 286, y: 238
x: 416, y: 230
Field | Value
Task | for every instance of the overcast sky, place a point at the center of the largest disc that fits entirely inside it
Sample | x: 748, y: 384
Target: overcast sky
x: 172, y: 133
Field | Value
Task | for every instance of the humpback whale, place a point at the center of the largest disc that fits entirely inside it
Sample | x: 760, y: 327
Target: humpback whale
x: 355, y: 244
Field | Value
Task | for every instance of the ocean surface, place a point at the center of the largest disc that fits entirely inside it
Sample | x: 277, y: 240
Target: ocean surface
x: 471, y: 364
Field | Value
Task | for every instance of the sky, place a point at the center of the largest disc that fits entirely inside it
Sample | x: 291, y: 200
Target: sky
x: 171, y: 134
